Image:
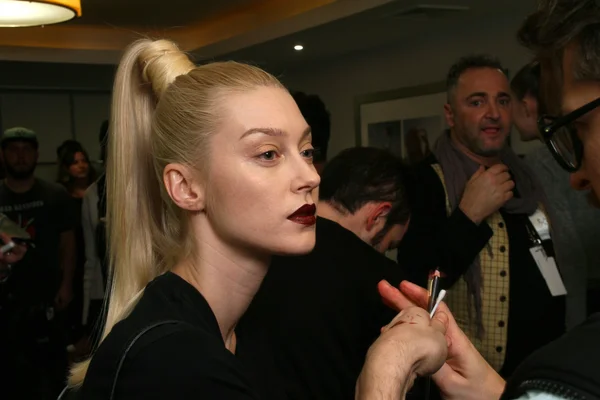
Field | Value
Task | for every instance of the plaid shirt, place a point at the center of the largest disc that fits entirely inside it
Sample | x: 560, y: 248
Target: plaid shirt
x: 495, y: 267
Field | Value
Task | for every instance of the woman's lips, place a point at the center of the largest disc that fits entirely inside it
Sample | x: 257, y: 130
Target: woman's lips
x: 305, y: 215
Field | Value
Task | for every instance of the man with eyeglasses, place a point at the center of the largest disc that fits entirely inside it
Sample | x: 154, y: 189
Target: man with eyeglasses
x: 565, y: 35
x: 576, y: 223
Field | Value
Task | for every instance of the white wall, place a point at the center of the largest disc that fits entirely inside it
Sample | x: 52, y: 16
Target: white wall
x: 418, y: 61
x: 58, y: 101
x: 56, y: 115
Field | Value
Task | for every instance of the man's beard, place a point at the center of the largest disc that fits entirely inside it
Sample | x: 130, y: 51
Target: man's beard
x: 19, y: 175
x: 477, y: 147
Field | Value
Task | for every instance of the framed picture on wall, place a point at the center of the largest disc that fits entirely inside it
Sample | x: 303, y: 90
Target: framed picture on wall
x: 405, y: 121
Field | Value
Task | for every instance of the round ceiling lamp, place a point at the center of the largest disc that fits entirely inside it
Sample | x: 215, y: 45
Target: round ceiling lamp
x: 22, y: 13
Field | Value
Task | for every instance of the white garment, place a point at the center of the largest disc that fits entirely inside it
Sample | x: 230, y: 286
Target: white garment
x: 93, y: 282
x: 540, y: 396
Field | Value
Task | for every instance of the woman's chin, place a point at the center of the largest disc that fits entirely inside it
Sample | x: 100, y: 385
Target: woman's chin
x: 303, y: 245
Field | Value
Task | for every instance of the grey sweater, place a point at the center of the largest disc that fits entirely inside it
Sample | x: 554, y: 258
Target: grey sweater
x: 575, y: 231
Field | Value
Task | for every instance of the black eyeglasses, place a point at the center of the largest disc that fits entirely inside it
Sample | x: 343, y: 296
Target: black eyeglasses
x: 560, y: 135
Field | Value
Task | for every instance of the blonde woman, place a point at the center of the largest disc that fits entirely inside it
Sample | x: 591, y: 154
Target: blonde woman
x: 209, y: 173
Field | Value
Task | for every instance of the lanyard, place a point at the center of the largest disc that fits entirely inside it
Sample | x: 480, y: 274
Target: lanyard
x: 535, y: 238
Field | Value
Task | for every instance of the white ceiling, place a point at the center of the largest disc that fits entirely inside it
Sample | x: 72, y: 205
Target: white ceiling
x: 330, y: 29
x: 375, y: 28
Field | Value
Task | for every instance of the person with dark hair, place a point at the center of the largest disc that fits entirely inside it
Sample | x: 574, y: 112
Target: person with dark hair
x: 472, y: 218
x: 315, y: 316
x: 575, y: 223
x: 565, y: 37
x: 318, y: 118
x: 75, y: 172
x: 37, y: 293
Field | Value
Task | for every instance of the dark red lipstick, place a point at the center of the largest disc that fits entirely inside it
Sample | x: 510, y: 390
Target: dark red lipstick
x: 305, y: 215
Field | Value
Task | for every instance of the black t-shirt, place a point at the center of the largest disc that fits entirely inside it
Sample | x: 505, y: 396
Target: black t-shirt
x: 567, y: 367
x: 315, y: 317
x: 184, y: 361
x: 45, y: 211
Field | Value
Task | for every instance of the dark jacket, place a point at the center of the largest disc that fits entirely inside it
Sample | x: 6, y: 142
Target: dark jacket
x: 315, y: 317
x: 567, y: 367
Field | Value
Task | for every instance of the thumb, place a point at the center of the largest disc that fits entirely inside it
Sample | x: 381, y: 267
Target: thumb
x: 440, y: 322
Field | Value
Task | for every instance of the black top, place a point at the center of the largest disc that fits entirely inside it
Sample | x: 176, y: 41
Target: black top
x: 315, y: 317
x: 567, y: 367
x: 452, y: 243
x: 183, y: 361
x: 45, y: 212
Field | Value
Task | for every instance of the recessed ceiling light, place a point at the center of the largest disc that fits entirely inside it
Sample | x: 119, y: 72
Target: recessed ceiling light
x: 298, y: 47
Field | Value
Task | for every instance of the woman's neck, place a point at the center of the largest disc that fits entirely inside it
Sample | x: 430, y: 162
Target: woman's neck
x: 227, y: 277
x: 479, y: 159
x: 78, y: 187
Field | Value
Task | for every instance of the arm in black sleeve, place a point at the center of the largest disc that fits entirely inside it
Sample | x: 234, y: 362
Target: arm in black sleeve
x: 435, y: 240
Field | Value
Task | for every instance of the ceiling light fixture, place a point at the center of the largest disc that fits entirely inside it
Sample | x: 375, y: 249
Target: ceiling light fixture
x: 23, y: 13
x: 298, y: 47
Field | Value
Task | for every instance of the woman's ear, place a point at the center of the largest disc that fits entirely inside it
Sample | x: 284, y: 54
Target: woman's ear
x: 184, y: 187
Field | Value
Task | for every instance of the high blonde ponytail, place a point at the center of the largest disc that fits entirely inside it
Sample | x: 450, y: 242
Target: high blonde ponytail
x: 133, y: 193
x: 163, y: 110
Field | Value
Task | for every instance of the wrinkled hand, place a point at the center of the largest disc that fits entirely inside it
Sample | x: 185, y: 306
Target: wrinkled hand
x: 63, y: 297
x: 411, y: 345
x: 427, y: 336
x: 486, y: 192
x: 465, y: 375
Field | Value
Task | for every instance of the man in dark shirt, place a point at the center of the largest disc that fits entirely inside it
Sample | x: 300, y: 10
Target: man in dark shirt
x: 315, y: 316
x: 39, y: 286
x: 471, y: 218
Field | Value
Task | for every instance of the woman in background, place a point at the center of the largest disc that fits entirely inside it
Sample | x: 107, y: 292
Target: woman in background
x: 75, y: 171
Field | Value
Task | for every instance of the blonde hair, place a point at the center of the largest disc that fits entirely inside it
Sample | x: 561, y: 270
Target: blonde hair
x: 163, y: 109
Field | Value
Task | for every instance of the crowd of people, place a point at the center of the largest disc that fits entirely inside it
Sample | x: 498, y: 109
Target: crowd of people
x: 223, y: 255
x: 48, y: 304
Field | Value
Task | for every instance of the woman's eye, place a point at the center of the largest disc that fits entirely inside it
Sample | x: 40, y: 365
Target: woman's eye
x: 269, y: 155
x: 308, y: 153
